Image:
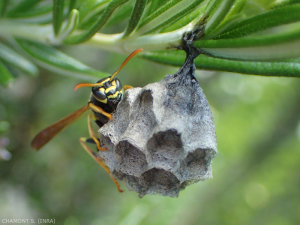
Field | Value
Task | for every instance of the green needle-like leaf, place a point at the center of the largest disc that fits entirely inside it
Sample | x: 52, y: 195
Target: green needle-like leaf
x: 219, y: 14
x: 72, y: 23
x: 41, y: 13
x: 113, y: 5
x: 70, y: 27
x: 121, y: 15
x: 11, y: 57
x: 54, y: 60
x: 4, y: 5
x: 159, y: 11
x: 86, y: 8
x: 237, y: 8
x: 135, y: 16
x: 156, y: 5
x: 271, y: 47
x: 58, y: 14
x: 176, y: 58
x: 224, y: 25
x: 166, y: 15
x: 273, y: 18
x: 23, y: 6
x: 90, y: 12
x: 212, y: 6
x: 183, y: 21
x: 278, y: 4
x: 5, y: 76
x: 253, y: 68
x: 72, y: 5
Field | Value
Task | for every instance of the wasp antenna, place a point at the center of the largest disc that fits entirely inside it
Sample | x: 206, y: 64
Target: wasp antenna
x: 126, y: 61
x: 87, y: 85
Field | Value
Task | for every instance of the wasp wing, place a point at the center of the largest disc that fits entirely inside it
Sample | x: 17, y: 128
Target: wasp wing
x: 48, y: 133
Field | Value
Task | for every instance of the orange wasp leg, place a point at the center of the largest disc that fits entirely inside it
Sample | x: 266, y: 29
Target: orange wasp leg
x: 94, y: 155
x: 99, y: 110
x: 126, y: 87
x: 92, y: 134
x: 99, y: 160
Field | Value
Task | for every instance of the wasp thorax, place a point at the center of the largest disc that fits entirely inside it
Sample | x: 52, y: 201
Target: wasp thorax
x: 107, y: 89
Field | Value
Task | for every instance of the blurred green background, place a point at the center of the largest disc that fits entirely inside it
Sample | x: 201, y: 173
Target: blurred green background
x: 256, y: 172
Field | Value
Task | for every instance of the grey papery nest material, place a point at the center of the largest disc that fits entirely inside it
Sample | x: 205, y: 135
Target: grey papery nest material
x: 162, y: 137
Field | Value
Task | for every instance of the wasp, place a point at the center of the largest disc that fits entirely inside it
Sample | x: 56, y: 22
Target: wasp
x: 106, y: 94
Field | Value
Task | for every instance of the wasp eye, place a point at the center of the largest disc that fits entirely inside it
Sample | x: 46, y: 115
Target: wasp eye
x: 99, y: 93
x: 117, y: 84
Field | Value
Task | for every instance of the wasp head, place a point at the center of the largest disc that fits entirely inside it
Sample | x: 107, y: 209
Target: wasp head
x: 108, y: 90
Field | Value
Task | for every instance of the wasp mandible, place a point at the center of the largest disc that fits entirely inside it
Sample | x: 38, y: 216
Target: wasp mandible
x: 104, y: 99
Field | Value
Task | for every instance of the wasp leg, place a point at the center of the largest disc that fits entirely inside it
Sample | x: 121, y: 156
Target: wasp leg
x: 127, y: 87
x: 98, y: 159
x: 92, y: 134
x: 99, y: 110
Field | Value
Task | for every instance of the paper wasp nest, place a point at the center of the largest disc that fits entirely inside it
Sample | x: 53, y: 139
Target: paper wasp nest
x: 162, y: 137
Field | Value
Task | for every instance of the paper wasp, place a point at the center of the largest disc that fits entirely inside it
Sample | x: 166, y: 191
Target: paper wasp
x: 104, y: 99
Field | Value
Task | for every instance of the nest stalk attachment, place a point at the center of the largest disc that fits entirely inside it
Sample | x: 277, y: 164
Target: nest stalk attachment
x: 162, y: 137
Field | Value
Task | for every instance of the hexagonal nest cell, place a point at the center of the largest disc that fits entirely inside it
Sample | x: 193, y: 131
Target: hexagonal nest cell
x: 162, y: 137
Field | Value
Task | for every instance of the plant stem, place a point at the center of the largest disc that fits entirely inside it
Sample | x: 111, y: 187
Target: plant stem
x: 110, y: 42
